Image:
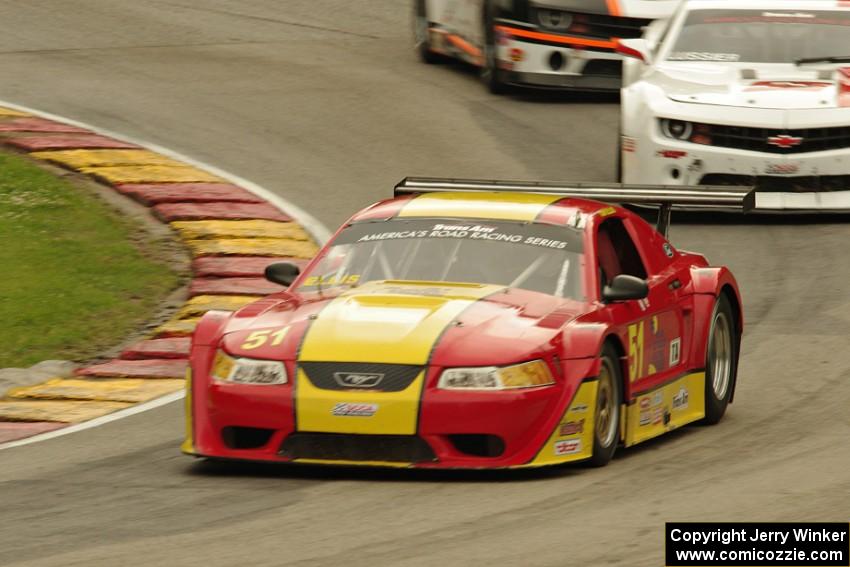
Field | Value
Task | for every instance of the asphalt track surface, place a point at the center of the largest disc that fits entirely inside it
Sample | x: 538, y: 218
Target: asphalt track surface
x: 324, y: 102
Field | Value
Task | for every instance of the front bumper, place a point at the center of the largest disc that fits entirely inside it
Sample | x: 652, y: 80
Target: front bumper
x: 472, y: 430
x: 815, y: 181
x: 558, y: 65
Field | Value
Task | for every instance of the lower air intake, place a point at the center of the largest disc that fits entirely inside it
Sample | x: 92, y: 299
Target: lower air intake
x: 345, y: 447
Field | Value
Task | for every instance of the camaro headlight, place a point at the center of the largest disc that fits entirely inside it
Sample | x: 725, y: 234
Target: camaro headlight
x: 247, y: 370
x: 554, y: 19
x: 676, y: 129
x: 525, y: 375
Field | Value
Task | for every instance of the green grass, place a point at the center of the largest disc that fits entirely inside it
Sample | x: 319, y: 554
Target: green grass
x: 72, y: 282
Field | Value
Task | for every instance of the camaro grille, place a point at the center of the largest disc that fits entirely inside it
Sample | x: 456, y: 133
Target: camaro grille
x: 606, y: 26
x: 776, y: 141
x: 346, y: 447
x: 768, y: 183
x: 360, y: 376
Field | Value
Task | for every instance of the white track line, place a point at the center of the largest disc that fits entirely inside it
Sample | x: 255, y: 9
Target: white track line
x: 300, y: 216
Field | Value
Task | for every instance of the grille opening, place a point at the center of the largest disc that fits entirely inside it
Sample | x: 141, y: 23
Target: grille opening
x: 603, y: 67
x: 352, y: 447
x: 478, y: 445
x: 245, y: 437
x: 786, y: 184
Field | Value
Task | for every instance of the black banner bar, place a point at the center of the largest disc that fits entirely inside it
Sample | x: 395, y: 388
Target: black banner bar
x: 751, y: 544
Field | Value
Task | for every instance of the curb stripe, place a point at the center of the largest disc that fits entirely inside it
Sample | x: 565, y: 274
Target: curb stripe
x: 222, y: 206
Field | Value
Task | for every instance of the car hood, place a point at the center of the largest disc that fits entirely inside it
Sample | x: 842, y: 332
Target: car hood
x: 782, y: 87
x: 412, y: 323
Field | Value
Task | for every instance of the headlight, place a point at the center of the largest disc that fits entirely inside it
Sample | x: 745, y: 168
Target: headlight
x: 247, y: 370
x: 676, y: 129
x: 554, y: 19
x: 526, y: 375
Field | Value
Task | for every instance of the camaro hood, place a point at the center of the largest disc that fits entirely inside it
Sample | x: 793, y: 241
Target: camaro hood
x: 411, y: 323
x: 782, y: 87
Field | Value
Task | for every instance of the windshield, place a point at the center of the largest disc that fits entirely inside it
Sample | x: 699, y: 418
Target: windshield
x: 761, y: 36
x: 530, y: 256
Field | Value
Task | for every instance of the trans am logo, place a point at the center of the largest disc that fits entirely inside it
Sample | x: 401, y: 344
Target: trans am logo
x: 346, y: 409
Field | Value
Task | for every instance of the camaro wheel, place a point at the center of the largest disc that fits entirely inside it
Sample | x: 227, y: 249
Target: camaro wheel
x: 490, y: 72
x: 421, y: 35
x: 721, y: 361
x: 606, y: 430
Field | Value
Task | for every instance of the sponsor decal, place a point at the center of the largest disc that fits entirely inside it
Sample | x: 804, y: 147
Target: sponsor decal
x: 567, y: 447
x: 671, y: 154
x: 680, y: 399
x: 643, y: 304
x: 572, y: 428
x: 657, y: 416
x: 628, y: 144
x: 358, y: 379
x: 772, y: 85
x: 668, y: 250
x: 607, y: 212
x: 785, y: 141
x: 657, y: 398
x: 782, y: 169
x: 704, y: 56
x: 645, y: 403
x: 581, y: 408
x: 675, y: 351
x: 346, y: 409
x: 645, y: 417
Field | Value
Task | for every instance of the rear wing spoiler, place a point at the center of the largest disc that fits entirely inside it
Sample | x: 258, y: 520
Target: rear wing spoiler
x: 662, y: 196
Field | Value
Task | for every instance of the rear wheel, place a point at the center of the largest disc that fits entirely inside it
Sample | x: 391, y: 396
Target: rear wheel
x: 491, y: 75
x: 606, y: 430
x: 422, y: 36
x: 721, y: 360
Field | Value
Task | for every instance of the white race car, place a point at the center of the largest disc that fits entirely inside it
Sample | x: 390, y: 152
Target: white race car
x: 743, y: 93
x: 565, y: 44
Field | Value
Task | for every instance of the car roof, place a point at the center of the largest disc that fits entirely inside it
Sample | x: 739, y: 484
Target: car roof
x: 732, y: 5
x: 521, y: 207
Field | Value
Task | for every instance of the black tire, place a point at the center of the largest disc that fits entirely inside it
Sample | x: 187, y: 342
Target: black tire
x: 606, y: 415
x: 491, y: 75
x: 721, y: 360
x: 421, y: 36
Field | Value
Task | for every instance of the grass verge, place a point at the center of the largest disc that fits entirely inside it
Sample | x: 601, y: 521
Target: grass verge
x: 73, y: 277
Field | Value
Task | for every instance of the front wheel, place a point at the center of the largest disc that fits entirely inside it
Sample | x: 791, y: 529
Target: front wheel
x: 491, y: 75
x: 606, y: 430
x: 721, y: 360
x: 422, y: 36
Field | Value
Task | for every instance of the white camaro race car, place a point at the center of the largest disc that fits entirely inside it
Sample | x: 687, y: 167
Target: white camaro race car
x: 743, y: 93
x: 565, y: 44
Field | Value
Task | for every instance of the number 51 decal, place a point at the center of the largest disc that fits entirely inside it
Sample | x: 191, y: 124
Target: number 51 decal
x: 260, y: 338
x: 636, y: 350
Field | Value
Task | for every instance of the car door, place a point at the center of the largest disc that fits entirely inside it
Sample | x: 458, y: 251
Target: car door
x: 651, y: 328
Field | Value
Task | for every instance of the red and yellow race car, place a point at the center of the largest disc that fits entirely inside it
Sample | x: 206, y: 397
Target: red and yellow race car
x: 468, y: 324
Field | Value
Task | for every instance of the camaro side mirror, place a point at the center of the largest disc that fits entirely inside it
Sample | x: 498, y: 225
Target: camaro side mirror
x: 636, y: 48
x: 625, y: 287
x: 283, y: 273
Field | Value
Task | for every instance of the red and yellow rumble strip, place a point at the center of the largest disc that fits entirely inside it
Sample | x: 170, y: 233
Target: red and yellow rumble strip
x: 232, y: 233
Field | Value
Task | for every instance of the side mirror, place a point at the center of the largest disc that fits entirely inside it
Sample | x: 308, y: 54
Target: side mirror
x: 624, y: 288
x: 636, y: 48
x: 283, y: 273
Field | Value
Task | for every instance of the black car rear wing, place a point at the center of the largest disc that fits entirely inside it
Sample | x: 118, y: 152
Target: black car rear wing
x: 662, y: 196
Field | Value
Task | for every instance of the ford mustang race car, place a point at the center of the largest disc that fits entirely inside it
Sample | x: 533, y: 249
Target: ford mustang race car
x: 467, y: 324
x: 542, y: 43
x: 750, y: 93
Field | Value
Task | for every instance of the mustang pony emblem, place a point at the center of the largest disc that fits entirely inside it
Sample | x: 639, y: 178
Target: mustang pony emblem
x: 358, y: 379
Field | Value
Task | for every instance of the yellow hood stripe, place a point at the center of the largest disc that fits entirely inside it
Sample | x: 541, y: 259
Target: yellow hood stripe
x: 381, y: 322
x: 496, y: 206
